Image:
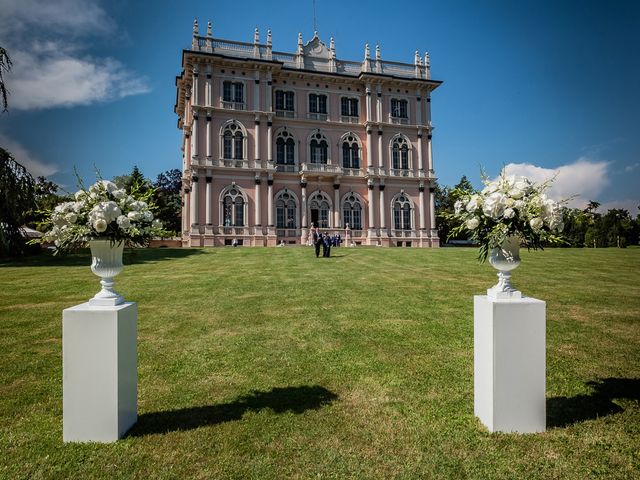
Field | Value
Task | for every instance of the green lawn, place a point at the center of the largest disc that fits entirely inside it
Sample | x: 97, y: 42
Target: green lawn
x: 270, y: 363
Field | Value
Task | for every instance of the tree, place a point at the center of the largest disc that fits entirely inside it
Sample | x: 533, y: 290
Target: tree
x: 167, y: 198
x: 46, y: 198
x: 5, y: 66
x: 445, y: 199
x: 16, y: 200
x: 135, y: 180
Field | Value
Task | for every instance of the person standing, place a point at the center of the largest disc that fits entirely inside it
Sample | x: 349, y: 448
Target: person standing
x: 317, y: 241
x: 326, y: 252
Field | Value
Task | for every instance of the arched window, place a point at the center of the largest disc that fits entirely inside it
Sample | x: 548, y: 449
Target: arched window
x: 402, y: 212
x: 285, y: 151
x: 350, y: 151
x: 319, y: 209
x: 286, y: 210
x: 318, y: 148
x: 352, y: 211
x: 233, y: 207
x: 400, y: 153
x: 233, y: 142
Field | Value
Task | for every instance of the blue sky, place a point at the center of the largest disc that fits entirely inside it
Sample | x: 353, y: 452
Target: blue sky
x: 543, y: 87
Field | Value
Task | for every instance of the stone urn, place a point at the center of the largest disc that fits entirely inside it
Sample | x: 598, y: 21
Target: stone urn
x: 106, y: 263
x: 505, y: 259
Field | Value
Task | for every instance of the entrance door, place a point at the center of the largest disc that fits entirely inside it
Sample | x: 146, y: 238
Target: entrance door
x: 315, y: 216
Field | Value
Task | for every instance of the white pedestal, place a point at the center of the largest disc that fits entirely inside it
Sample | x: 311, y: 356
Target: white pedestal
x: 509, y: 379
x: 99, y: 370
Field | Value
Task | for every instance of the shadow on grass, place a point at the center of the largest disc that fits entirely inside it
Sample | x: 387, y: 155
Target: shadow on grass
x: 131, y: 256
x: 565, y: 411
x: 287, y: 399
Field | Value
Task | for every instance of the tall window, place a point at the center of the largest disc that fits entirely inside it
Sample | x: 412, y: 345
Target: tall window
x: 285, y: 149
x: 399, y: 108
x: 319, y: 148
x: 350, y: 152
x: 319, y: 209
x: 232, y: 92
x: 317, y: 103
x: 286, y: 210
x: 349, y: 107
x: 233, y: 207
x: 402, y: 213
x: 284, y: 101
x: 232, y: 142
x: 352, y: 212
x: 400, y: 153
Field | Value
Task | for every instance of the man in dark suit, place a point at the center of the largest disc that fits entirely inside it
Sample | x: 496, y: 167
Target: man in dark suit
x: 317, y: 241
x: 326, y: 252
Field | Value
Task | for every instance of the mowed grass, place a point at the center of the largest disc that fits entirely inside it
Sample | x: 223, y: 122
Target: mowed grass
x: 270, y: 363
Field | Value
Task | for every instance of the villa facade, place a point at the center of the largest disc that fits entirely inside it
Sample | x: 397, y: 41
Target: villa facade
x: 275, y: 143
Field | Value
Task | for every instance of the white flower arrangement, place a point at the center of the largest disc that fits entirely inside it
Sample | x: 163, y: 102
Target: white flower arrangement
x: 508, y: 206
x: 102, y: 212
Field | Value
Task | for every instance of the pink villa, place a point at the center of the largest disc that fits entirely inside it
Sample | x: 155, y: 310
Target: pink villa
x: 276, y: 143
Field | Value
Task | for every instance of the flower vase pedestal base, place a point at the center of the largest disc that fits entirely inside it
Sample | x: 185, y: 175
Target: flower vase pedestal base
x: 99, y: 370
x: 509, y: 381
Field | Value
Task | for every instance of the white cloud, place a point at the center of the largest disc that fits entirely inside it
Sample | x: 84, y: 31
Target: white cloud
x: 65, y: 80
x: 49, y: 66
x: 631, y: 168
x: 59, y: 16
x: 583, y: 179
x: 34, y: 166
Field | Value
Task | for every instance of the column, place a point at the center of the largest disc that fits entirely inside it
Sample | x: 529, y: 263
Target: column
x: 270, y: 202
x: 380, y: 150
x: 336, y: 205
x: 256, y: 151
x: 418, y: 108
x: 258, y: 193
x: 196, y: 94
x: 383, y: 207
x: 208, y: 205
x: 269, y: 94
x: 422, y: 206
x: 194, y: 201
x: 368, y: 105
x: 303, y: 184
x: 209, y: 134
x: 371, y: 217
x: 186, y: 201
x: 369, y: 149
x: 270, y: 141
x: 256, y: 92
x: 207, y: 91
x: 194, y: 136
x: 379, y: 104
x: 429, y: 154
x: 432, y: 206
x: 420, y: 166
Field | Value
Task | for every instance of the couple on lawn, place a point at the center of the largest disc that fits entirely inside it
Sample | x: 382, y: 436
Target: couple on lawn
x: 323, y: 240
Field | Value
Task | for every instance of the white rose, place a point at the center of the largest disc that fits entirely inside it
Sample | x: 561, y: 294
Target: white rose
x: 111, y: 210
x: 119, y: 194
x: 494, y: 205
x: 80, y: 195
x: 523, y: 184
x: 509, y: 213
x: 123, y: 221
x: 458, y: 206
x: 474, y: 203
x: 147, y: 216
x: 100, y: 225
x: 536, y: 223
x: 134, y: 215
x: 519, y: 204
x: 516, y: 193
x: 109, y: 186
x: 472, y: 223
